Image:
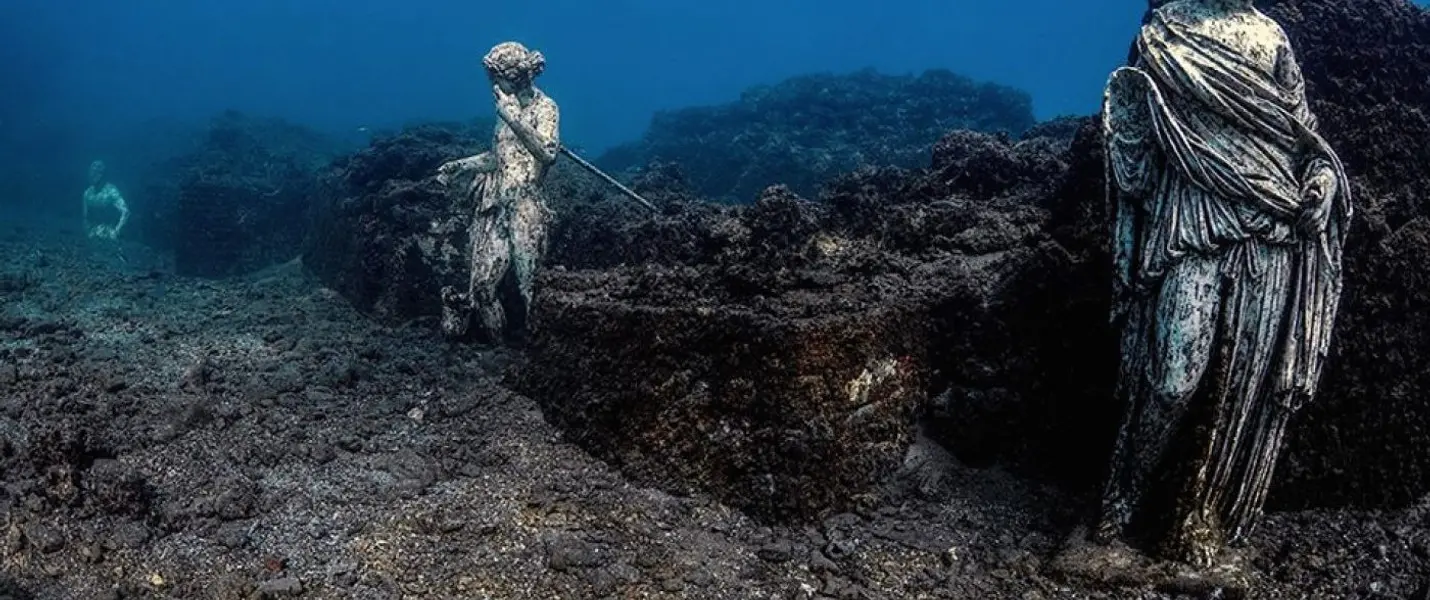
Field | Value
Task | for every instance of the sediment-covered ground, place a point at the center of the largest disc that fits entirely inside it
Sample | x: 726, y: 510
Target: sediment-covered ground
x: 258, y: 436
x: 174, y: 438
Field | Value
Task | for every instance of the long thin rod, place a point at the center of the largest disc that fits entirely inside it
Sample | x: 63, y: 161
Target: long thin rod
x: 597, y: 172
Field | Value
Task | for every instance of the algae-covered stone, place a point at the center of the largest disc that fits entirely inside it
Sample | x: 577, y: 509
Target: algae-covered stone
x: 787, y: 408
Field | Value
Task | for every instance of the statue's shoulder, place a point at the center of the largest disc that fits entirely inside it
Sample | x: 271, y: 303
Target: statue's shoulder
x: 1178, y: 11
x: 1270, y: 25
x: 542, y: 99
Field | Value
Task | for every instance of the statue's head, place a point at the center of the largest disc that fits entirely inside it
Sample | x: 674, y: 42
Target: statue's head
x: 512, y: 66
x: 96, y: 172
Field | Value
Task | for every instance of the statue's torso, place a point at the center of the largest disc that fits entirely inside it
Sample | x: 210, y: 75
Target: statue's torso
x: 1262, y: 46
x: 100, y: 197
x: 518, y: 170
x: 1248, y: 33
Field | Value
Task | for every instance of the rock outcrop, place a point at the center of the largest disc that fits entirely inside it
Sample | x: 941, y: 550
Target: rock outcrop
x: 805, y: 130
x: 779, y: 355
x: 244, y: 195
x: 1020, y: 359
x: 385, y: 234
x: 1366, y: 440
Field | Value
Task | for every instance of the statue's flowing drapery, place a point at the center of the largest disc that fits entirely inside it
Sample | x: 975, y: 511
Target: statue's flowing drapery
x: 1226, y: 307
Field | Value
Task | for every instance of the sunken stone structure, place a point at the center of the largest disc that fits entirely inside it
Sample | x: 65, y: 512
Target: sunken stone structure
x: 789, y: 406
x: 806, y: 130
x: 1043, y: 362
x: 388, y: 236
x: 244, y: 195
x: 778, y: 356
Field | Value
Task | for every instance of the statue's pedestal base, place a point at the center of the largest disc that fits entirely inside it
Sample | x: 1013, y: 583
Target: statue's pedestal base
x: 786, y: 404
x: 1118, y: 565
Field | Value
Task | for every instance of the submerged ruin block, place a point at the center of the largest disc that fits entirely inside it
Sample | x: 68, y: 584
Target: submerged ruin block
x: 227, y: 227
x: 243, y: 197
x: 788, y: 406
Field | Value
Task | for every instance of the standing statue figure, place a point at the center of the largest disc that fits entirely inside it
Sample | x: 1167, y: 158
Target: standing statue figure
x: 102, y: 195
x: 508, y: 231
x: 1231, y: 215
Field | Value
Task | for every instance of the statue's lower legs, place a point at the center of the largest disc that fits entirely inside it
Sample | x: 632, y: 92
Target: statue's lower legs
x: 1166, y: 348
x: 528, y: 244
x: 491, y: 256
x: 1202, y: 430
x: 1237, y: 455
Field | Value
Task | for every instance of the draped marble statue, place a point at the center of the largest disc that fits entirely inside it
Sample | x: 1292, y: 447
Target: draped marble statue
x: 1231, y: 214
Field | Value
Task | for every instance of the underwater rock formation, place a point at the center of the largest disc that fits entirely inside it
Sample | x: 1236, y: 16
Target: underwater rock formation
x: 243, y: 198
x: 1021, y: 364
x: 785, y: 406
x: 596, y: 230
x: 758, y: 325
x: 385, y: 235
x: 1021, y: 367
x: 804, y: 130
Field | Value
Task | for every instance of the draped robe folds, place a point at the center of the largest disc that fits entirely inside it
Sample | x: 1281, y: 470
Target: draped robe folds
x: 1226, y: 308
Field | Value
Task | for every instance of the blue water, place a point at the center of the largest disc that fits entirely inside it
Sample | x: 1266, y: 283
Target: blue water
x: 75, y: 70
x: 338, y: 64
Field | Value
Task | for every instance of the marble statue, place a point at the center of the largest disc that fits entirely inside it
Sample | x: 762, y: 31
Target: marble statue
x: 1231, y: 215
x: 102, y: 195
x: 508, y: 231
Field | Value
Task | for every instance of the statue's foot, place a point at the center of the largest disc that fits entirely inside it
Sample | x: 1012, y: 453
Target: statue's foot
x: 456, y: 313
x: 1198, y: 561
x: 493, y: 324
x: 1223, y: 572
x: 1109, y: 529
x: 1196, y: 541
x: 1085, y: 558
x: 1117, y: 564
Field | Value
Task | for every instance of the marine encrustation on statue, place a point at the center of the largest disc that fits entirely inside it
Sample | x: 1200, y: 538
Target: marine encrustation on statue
x: 1231, y: 215
x: 508, y: 231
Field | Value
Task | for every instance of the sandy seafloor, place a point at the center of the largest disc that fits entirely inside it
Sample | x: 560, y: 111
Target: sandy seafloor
x: 256, y: 437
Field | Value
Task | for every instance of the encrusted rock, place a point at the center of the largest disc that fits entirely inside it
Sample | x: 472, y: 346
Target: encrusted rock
x: 242, y: 203
x: 805, y: 130
x: 1363, y: 442
x: 386, y: 236
x: 787, y: 407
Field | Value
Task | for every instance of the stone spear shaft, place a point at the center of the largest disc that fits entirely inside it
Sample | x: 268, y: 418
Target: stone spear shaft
x: 611, y: 180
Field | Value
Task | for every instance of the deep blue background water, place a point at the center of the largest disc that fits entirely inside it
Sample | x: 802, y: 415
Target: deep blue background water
x: 348, y: 63
x: 75, y: 71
